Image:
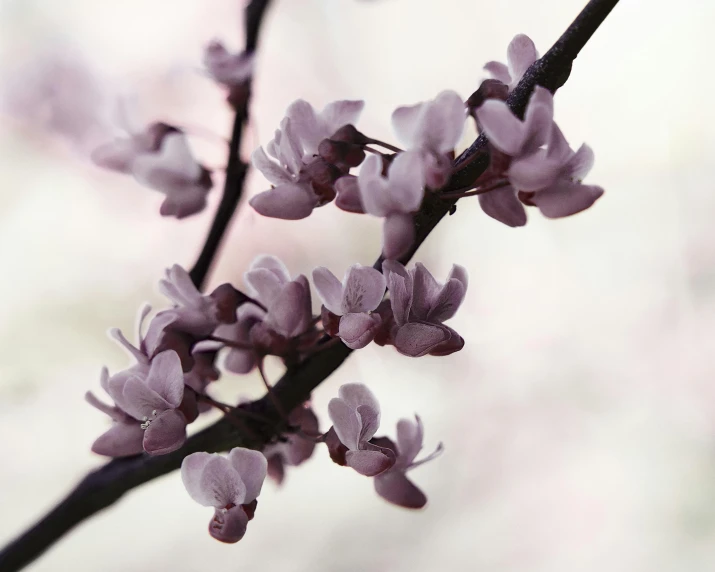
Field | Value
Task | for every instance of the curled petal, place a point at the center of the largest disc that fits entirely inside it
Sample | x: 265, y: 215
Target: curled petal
x: 120, y: 440
x: 272, y: 171
x: 520, y: 54
x: 498, y: 71
x: 396, y: 488
x: 290, y: 313
x: 348, y: 195
x: 580, y: 163
x: 357, y: 394
x: 459, y: 272
x: 416, y: 339
x: 410, y: 435
x: 166, y: 433
x: 504, y: 206
x: 368, y: 463
x: 345, y: 422
x: 447, y: 302
x: 229, y: 525
x: 358, y: 330
x: 501, y: 126
x: 566, y: 198
x: 288, y: 202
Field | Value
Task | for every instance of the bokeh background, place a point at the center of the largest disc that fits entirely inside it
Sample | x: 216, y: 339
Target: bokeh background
x: 578, y: 422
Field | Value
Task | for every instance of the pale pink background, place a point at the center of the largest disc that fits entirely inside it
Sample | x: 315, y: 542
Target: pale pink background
x: 579, y: 421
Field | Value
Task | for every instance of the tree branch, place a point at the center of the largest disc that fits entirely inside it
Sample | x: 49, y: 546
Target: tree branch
x: 236, y: 169
x: 104, y: 486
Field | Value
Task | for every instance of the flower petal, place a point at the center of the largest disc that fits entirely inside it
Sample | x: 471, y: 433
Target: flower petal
x: 368, y: 463
x: 369, y: 422
x: 396, y: 488
x: 166, y: 433
x: 221, y: 483
x: 272, y: 171
x: 374, y: 187
x: 407, y: 122
x: 288, y: 202
x: 120, y: 440
x: 357, y: 394
x: 425, y: 291
x: 406, y: 181
x: 534, y: 172
x: 141, y: 401
x: 329, y: 289
x: 358, y: 330
x: 252, y: 467
x: 416, y: 339
x: 305, y: 124
x: 192, y: 470
x: 580, y: 163
x: 447, y: 302
x: 498, y: 71
x: 240, y: 361
x: 504, y: 206
x: 363, y: 289
x: 399, y: 283
x: 348, y: 195
x: 339, y: 113
x: 345, y: 422
x: 167, y: 378
x: 520, y: 54
x: 410, y: 435
x: 566, y: 198
x: 230, y: 525
x: 501, y: 126
x: 443, y: 122
x: 290, y: 312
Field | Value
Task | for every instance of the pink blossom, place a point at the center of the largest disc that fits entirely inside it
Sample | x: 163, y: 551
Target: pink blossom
x: 229, y: 484
x: 420, y: 305
x: 520, y: 55
x: 160, y: 158
x: 432, y: 129
x: 393, y: 484
x: 355, y: 414
x: 393, y: 198
x: 354, y: 300
x: 124, y: 438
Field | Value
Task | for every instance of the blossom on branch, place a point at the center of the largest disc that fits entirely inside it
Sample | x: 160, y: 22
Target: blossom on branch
x: 432, y: 129
x: 355, y: 414
x: 229, y: 484
x: 228, y: 69
x: 393, y: 485
x: 160, y: 158
x: 293, y: 448
x: 420, y: 305
x: 394, y: 197
x: 354, y: 300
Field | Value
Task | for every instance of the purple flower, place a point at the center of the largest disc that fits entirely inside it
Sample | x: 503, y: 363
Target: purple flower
x: 432, y: 129
x: 360, y: 293
x: 160, y: 158
x: 154, y: 398
x: 302, y: 180
x: 393, y: 198
x: 242, y: 360
x: 312, y: 127
x: 420, y: 306
x: 226, y: 68
x: 295, y: 449
x: 356, y: 417
x: 194, y: 313
x: 551, y: 178
x: 520, y: 54
x: 393, y: 484
x: 230, y: 485
x: 518, y: 139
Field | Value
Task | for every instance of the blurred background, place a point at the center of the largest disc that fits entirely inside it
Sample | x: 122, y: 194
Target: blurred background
x: 578, y: 422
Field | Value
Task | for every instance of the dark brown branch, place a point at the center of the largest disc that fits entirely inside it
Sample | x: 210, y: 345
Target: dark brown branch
x: 101, y: 488
x: 236, y: 169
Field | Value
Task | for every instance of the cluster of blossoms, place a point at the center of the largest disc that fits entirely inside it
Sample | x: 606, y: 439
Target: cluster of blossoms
x: 309, y: 163
x: 176, y: 357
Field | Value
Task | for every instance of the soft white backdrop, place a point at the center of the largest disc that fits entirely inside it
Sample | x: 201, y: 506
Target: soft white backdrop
x: 579, y: 420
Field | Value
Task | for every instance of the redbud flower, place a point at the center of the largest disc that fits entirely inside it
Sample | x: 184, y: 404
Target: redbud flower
x: 359, y: 294
x: 393, y: 198
x: 160, y: 158
x: 355, y: 414
x: 393, y: 485
x: 124, y: 438
x: 520, y: 54
x: 294, y: 449
x: 420, y: 305
x: 226, y: 68
x: 432, y: 129
x: 229, y: 484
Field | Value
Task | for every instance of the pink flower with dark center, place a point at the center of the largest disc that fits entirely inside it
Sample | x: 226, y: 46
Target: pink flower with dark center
x: 354, y: 300
x: 393, y: 485
x: 420, y: 305
x: 432, y: 129
x: 355, y: 414
x: 394, y: 198
x: 229, y: 484
x: 520, y: 55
